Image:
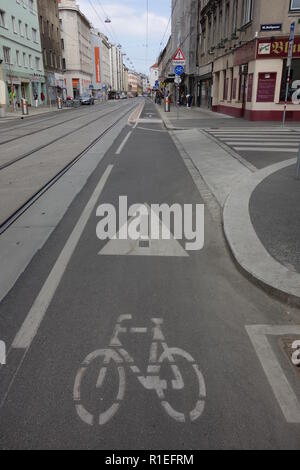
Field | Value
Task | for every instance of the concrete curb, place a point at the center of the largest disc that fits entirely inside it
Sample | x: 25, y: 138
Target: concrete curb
x: 246, y: 247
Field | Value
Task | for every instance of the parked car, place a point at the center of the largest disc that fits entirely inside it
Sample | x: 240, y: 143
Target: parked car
x: 87, y: 99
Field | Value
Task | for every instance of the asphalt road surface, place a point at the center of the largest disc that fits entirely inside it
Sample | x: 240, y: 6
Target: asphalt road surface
x: 73, y: 380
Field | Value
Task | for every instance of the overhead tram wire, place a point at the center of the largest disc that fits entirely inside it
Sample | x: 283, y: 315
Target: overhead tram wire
x: 110, y: 34
x: 166, y: 30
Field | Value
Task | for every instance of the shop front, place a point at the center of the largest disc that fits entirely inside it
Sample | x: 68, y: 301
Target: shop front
x: 251, y: 82
x: 17, y: 87
x: 38, y: 90
x: 204, y: 87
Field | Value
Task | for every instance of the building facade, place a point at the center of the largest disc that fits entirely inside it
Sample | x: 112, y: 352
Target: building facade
x: 21, y: 53
x: 116, y: 64
x: 76, y: 48
x: 242, y: 58
x: 125, y: 79
x: 153, y: 78
x: 52, y: 48
x: 101, y: 64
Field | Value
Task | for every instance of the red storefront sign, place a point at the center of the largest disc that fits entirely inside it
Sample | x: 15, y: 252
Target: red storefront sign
x: 276, y: 47
x: 266, y: 87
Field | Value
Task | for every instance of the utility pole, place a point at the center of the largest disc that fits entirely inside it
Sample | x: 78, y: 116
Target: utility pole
x: 289, y: 66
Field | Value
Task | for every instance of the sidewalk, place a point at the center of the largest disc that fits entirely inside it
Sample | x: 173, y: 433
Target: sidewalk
x: 261, y: 210
x: 10, y: 115
x: 184, y: 118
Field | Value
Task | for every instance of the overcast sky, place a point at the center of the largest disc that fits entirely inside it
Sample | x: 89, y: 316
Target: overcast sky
x: 128, y: 26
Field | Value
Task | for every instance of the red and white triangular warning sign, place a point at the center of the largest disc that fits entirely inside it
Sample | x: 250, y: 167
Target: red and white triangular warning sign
x: 179, y: 57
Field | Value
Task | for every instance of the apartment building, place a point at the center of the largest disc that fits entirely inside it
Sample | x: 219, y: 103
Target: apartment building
x: 153, y: 78
x: 242, y: 57
x: 77, y: 50
x: 52, y: 48
x: 116, y: 64
x: 20, y: 52
x: 101, y: 64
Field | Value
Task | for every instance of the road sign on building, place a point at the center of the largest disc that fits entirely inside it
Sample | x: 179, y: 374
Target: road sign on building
x: 179, y: 70
x: 179, y: 58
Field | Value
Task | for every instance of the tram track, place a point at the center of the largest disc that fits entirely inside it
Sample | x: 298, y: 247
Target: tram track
x: 53, y: 141
x: 23, y: 208
x: 37, y: 131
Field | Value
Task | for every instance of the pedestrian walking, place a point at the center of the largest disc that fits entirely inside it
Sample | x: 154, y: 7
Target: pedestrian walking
x: 42, y: 98
x: 36, y: 99
x: 13, y: 99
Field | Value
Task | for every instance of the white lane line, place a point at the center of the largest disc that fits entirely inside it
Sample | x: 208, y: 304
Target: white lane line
x: 37, y: 312
x: 282, y: 389
x: 123, y: 143
x: 263, y: 144
x: 263, y: 149
x: 260, y: 139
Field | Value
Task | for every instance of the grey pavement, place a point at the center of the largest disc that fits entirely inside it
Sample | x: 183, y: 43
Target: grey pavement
x: 183, y: 118
x: 275, y: 214
x: 206, y: 306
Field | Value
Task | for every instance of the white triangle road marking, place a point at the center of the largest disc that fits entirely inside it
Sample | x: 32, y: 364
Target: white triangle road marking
x: 145, y: 246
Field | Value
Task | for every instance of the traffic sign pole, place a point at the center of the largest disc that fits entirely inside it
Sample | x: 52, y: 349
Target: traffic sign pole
x: 289, y: 65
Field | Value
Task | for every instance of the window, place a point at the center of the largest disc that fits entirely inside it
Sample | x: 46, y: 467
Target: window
x: 2, y: 18
x: 226, y: 23
x: 220, y: 24
x: 27, y: 31
x: 24, y: 60
x: 38, y: 63
x: 30, y: 61
x: 34, y: 35
x: 6, y: 54
x: 203, y: 39
x: 295, y: 5
x: 247, y: 11
x: 14, y: 24
x: 294, y: 79
x: 21, y: 28
x: 45, y: 57
x: 235, y: 16
x: 18, y: 58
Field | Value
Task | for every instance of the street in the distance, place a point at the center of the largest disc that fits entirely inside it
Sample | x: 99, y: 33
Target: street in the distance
x: 149, y: 233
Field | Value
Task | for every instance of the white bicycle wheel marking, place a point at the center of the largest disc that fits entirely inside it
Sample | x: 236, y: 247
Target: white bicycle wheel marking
x: 118, y: 357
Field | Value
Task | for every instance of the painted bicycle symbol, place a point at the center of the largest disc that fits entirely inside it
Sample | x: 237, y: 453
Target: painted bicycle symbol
x: 116, y: 356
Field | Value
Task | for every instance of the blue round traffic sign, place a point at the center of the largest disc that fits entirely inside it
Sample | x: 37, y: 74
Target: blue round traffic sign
x: 179, y: 70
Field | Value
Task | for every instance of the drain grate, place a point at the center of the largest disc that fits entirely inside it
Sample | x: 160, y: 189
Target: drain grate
x: 144, y: 244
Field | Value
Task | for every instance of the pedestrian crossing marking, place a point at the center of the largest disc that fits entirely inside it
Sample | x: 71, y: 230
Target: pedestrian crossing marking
x: 273, y: 140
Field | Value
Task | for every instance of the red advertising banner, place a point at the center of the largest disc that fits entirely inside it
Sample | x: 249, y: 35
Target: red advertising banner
x: 276, y: 47
x: 97, y: 65
x: 266, y: 87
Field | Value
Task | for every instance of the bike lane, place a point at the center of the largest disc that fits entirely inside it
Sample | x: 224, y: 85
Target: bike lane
x: 203, y: 302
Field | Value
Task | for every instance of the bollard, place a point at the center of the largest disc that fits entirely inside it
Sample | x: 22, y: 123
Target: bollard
x: 24, y: 105
x: 167, y: 104
x: 59, y: 103
x: 298, y: 165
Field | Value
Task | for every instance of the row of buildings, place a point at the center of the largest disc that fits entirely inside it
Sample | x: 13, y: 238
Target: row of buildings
x: 236, y: 55
x: 48, y: 48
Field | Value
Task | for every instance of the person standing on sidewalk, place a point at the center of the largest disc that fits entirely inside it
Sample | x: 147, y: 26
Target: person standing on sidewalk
x: 42, y: 98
